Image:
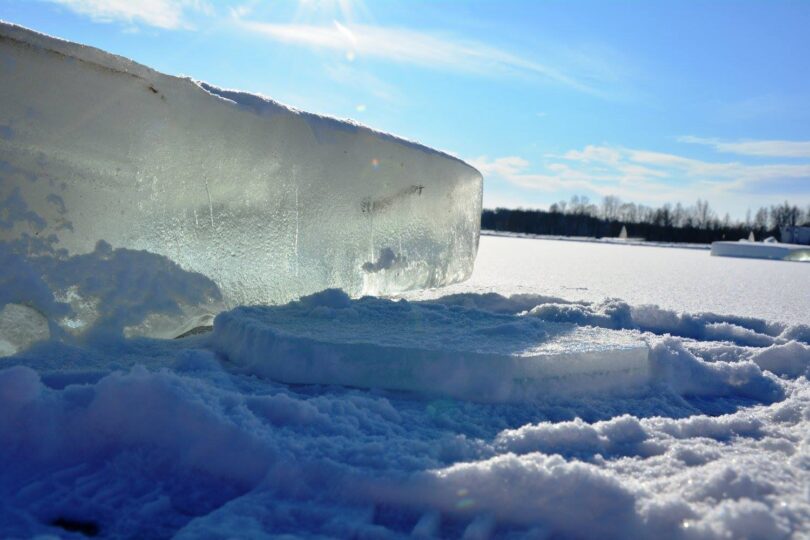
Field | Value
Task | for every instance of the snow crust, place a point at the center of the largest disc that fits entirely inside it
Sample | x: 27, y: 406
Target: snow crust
x: 265, y: 202
x: 146, y: 438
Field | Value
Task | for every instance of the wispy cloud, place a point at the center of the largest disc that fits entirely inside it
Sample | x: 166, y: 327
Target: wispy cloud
x: 167, y: 14
x: 347, y: 75
x: 650, y: 177
x: 507, y: 167
x: 591, y: 72
x: 554, y: 178
x: 412, y: 47
x: 761, y: 148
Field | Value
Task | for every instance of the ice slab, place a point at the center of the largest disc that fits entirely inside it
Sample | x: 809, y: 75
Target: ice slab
x: 762, y: 250
x: 327, y: 338
x: 267, y: 202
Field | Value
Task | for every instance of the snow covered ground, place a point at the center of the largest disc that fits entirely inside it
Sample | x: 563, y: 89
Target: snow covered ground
x: 157, y: 438
x: 677, y: 279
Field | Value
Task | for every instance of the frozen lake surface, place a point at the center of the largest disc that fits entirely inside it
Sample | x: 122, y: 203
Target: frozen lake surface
x: 147, y: 438
x: 679, y: 279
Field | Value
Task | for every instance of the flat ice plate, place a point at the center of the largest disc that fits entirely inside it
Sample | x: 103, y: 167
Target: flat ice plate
x: 328, y: 338
x: 762, y: 250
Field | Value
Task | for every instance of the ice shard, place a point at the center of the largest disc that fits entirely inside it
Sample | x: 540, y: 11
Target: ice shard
x: 100, y: 154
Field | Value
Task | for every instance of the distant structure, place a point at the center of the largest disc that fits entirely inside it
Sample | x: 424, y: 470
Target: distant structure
x: 625, y: 238
x: 751, y: 237
x: 794, y: 234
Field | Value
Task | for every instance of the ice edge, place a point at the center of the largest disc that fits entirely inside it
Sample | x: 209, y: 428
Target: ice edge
x: 257, y: 103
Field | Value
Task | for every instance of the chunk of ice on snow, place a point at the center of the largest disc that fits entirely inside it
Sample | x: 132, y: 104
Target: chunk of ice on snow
x: 762, y: 250
x: 327, y: 338
x: 267, y: 202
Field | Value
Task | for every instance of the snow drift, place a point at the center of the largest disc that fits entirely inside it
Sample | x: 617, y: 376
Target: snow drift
x: 166, y: 438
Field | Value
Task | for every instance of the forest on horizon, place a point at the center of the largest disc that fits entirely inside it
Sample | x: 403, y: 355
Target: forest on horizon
x: 697, y: 223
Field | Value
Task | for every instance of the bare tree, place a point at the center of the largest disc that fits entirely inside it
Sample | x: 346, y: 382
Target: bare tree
x: 783, y: 215
x: 703, y: 213
x: 628, y: 212
x: 610, y: 207
x: 678, y: 215
x: 761, y: 219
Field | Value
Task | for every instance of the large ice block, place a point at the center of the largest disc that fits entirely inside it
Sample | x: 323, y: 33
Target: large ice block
x: 762, y: 250
x: 267, y: 202
x: 430, y: 348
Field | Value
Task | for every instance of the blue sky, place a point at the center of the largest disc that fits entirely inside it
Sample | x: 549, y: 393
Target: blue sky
x: 651, y: 101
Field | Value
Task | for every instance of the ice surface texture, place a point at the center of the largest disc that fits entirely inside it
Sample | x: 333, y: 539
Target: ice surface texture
x: 430, y: 348
x: 267, y: 202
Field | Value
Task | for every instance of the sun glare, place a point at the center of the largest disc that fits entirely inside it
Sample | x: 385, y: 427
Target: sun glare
x: 345, y: 11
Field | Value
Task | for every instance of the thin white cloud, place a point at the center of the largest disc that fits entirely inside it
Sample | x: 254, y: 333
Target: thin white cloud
x: 762, y: 148
x: 346, y: 74
x: 167, y: 14
x: 411, y: 47
x: 515, y: 170
x: 648, y: 177
x: 584, y: 73
x: 742, y: 172
x: 504, y: 166
x: 595, y: 154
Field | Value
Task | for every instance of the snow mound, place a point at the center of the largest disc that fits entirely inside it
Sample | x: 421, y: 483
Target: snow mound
x: 327, y: 338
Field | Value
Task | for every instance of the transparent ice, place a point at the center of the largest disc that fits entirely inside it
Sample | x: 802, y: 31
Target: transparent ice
x: 266, y: 202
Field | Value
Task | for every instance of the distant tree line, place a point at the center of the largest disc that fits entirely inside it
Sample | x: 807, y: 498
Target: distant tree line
x: 668, y: 223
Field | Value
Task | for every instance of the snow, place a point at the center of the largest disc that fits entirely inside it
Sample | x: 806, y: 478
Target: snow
x: 155, y: 438
x: 685, y: 281
x: 567, y: 390
x: 762, y: 250
x: 100, y: 154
